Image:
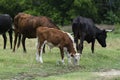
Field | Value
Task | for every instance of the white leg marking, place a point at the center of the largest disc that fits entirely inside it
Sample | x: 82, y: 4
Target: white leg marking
x: 68, y: 55
x: 63, y: 61
x: 37, y: 54
x: 41, y: 51
x: 40, y: 58
x: 69, y: 58
x: 60, y: 62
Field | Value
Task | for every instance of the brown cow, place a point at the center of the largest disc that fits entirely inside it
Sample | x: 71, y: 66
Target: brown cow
x: 56, y: 38
x: 26, y: 25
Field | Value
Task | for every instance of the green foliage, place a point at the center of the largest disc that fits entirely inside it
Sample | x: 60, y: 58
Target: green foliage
x: 84, y: 8
x: 117, y: 28
x: 111, y: 18
x: 62, y: 11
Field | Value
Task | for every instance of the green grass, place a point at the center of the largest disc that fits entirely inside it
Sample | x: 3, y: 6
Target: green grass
x: 22, y: 66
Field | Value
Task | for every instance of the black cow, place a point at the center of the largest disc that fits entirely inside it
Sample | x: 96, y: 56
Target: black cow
x: 85, y: 29
x: 6, y: 25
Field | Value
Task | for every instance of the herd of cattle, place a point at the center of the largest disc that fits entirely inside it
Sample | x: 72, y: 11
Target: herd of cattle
x: 46, y: 32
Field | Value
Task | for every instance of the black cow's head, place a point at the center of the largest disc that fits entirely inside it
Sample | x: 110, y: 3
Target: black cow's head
x: 101, y: 38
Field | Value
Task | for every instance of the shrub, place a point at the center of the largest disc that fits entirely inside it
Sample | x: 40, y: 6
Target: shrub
x: 117, y: 28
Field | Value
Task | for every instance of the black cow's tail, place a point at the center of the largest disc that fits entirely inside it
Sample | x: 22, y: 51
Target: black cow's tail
x: 75, y: 30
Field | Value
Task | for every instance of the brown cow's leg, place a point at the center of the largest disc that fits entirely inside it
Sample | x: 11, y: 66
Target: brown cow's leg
x: 23, y: 43
x: 5, y: 40
x: 10, y: 37
x: 16, y: 34
x: 19, y: 40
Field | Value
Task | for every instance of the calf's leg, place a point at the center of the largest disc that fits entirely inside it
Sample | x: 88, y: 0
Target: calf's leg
x: 68, y: 56
x: 44, y: 49
x: 40, y: 50
x: 62, y: 54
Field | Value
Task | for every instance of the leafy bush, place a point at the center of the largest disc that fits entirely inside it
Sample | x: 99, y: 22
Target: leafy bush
x: 111, y: 18
x: 117, y: 28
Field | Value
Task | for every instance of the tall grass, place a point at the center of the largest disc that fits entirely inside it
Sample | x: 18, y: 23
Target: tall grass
x: 21, y: 65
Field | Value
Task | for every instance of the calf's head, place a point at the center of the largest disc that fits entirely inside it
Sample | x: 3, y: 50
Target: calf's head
x: 101, y: 38
x: 76, y: 58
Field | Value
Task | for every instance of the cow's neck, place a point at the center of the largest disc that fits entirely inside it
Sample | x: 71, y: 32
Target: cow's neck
x: 71, y: 49
x: 71, y: 46
x: 97, y: 30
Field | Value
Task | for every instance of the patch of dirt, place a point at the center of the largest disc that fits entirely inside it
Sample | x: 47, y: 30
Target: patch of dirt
x: 31, y: 76
x: 109, y: 74
x: 100, y: 26
x: 107, y: 27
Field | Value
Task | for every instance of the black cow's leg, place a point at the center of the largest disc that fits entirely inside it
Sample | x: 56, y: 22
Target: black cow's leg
x: 92, y: 47
x: 23, y: 43
x: 10, y: 37
x: 76, y: 41
x: 81, y: 44
x: 5, y: 40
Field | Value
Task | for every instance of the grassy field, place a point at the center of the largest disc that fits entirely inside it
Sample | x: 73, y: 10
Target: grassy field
x: 23, y: 66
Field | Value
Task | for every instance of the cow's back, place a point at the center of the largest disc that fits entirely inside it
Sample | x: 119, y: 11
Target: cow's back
x: 5, y: 23
x: 27, y: 24
x: 24, y: 23
x: 52, y: 35
x: 82, y: 25
x: 45, y: 21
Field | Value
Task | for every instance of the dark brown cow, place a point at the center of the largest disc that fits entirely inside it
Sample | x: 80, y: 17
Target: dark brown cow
x: 56, y: 38
x: 26, y: 25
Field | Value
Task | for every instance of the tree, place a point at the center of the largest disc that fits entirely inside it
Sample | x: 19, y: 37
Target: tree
x: 63, y: 6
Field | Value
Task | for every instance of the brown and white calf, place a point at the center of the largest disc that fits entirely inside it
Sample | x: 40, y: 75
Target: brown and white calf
x: 56, y: 38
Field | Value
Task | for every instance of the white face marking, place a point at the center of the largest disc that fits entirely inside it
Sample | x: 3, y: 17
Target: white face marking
x: 76, y: 59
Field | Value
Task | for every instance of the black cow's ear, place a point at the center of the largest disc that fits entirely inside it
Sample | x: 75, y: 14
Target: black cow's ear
x: 71, y: 20
x: 104, y: 31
